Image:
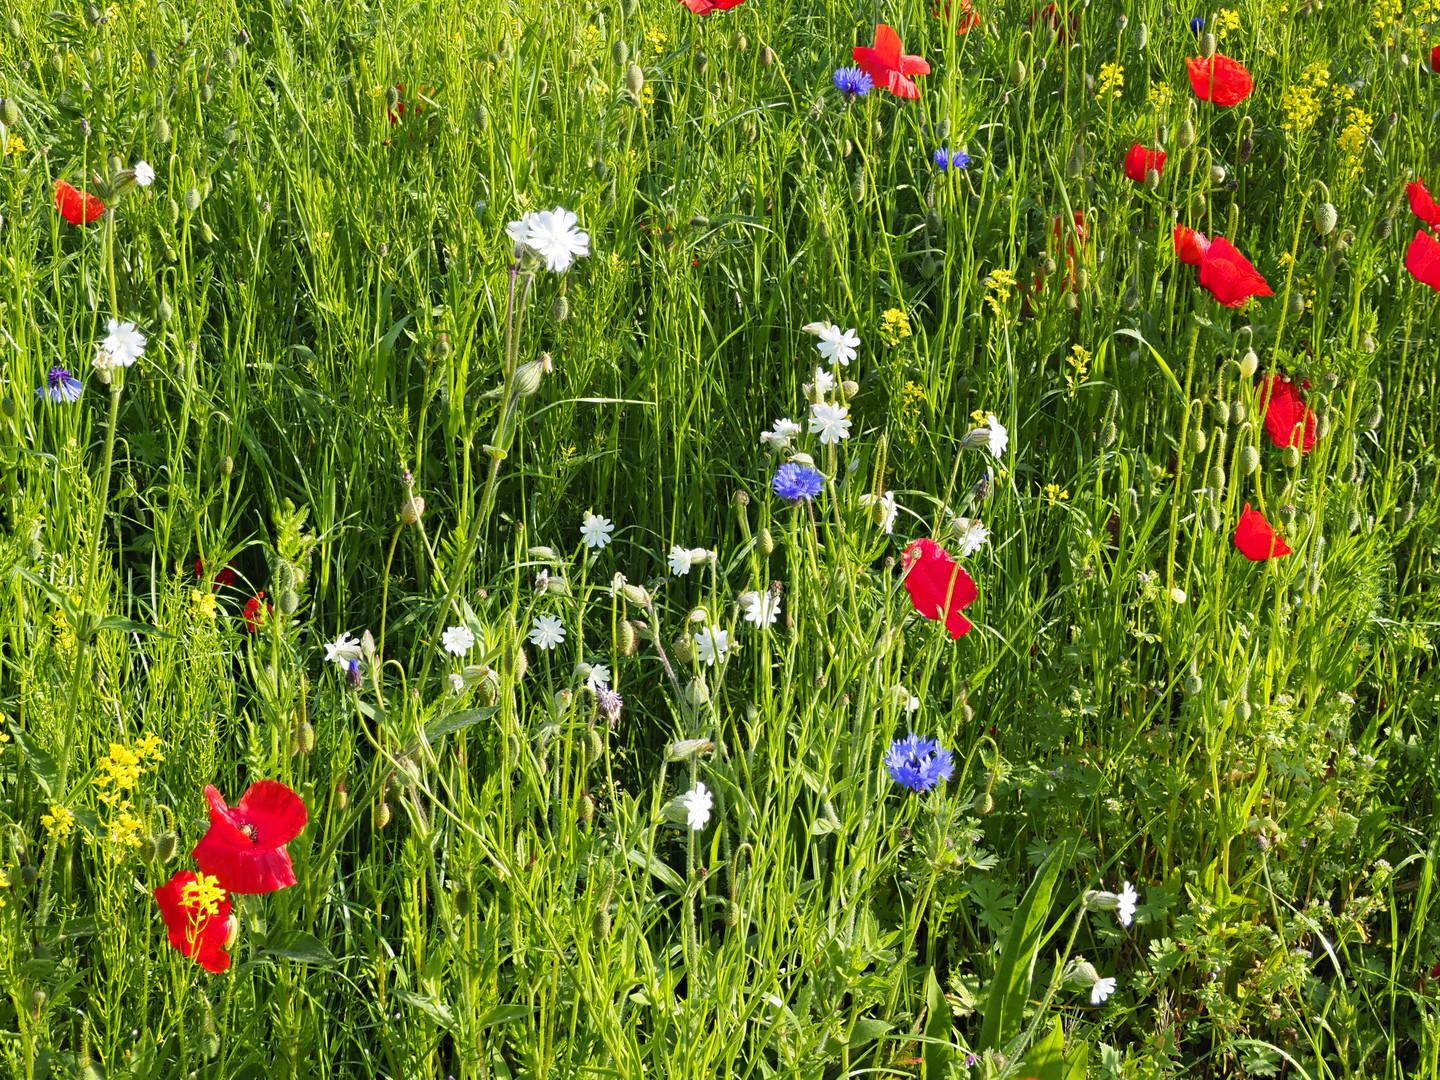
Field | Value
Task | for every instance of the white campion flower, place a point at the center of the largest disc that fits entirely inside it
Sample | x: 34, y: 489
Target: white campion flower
x: 711, y: 645
x: 824, y: 383
x: 999, y: 437
x: 552, y: 235
x: 617, y: 583
x: 972, y: 535
x: 785, y: 430
x: 830, y: 422
x: 457, y: 683
x: 457, y: 640
x: 144, y: 174
x: 883, y: 510
x: 342, y: 650
x: 547, y: 632
x: 761, y: 608
x: 595, y: 530
x: 1083, y: 974
x: 697, y: 802
x: 1122, y: 903
x: 124, y: 344
x: 905, y: 699
x: 1102, y: 989
x: 838, y: 346
x: 683, y: 560
x: 599, y: 677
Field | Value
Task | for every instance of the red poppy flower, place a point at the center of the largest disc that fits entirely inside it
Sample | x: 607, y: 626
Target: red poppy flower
x: 225, y: 577
x: 931, y: 577
x: 887, y: 66
x: 1422, y: 259
x: 1435, y: 58
x: 197, y: 915
x: 256, y: 609
x: 1256, y: 539
x: 1422, y: 205
x: 1139, y: 161
x: 1051, y: 15
x: 1289, y: 420
x: 704, y: 7
x: 966, y: 17
x: 1057, y: 227
x: 76, y: 206
x: 245, y: 847
x: 1229, y: 276
x: 1190, y: 245
x: 1220, y: 79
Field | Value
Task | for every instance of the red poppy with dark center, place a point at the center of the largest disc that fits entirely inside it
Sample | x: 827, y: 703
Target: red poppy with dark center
x: 1422, y: 205
x: 888, y: 67
x: 1229, y: 276
x: 1220, y: 80
x: 245, y: 847
x: 1422, y: 259
x: 226, y: 576
x: 76, y: 206
x: 197, y: 917
x: 256, y: 611
x: 704, y: 7
x: 1289, y: 420
x: 1053, y: 17
x: 966, y: 17
x: 938, y: 585
x: 1190, y: 245
x: 1139, y: 161
x: 1257, y: 539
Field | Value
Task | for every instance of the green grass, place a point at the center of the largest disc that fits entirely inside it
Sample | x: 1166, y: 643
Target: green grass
x: 493, y: 882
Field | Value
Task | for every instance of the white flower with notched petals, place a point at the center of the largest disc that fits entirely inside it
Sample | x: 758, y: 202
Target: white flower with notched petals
x: 1129, y: 898
x: 595, y: 530
x: 824, y: 381
x: 144, y: 174
x: 972, y: 535
x: 882, y: 510
x: 904, y: 698
x: 838, y: 346
x: 711, y: 645
x: 124, y: 344
x: 830, y: 422
x: 617, y: 583
x: 343, y: 650
x: 547, y: 632
x: 1102, y: 989
x: 697, y: 802
x: 999, y: 437
x: 552, y: 235
x: 785, y: 430
x: 761, y: 608
x: 457, y: 640
x: 680, y: 561
x: 457, y: 683
x: 599, y: 677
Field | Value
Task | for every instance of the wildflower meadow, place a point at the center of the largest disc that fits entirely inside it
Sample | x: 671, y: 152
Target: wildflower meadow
x: 719, y: 539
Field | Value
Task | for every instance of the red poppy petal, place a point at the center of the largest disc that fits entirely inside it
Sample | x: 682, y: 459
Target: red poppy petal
x: 914, y: 65
x: 1288, y: 420
x: 1422, y: 204
x: 250, y: 871
x: 276, y: 812
x: 1422, y: 259
x: 1219, y: 80
x: 1229, y: 276
x: 1257, y: 539
x: 932, y: 575
x: 199, y: 936
x: 887, y: 46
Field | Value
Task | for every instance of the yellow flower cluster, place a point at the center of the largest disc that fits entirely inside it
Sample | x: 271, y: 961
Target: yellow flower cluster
x: 590, y: 36
x: 1079, y: 364
x: 998, y: 284
x: 204, y: 604
x: 121, y: 769
x: 58, y: 822
x: 894, y: 326
x: 126, y: 830
x: 15, y: 145
x: 203, y: 895
x: 1161, y: 96
x: 1385, y: 14
x: 64, y: 633
x: 1056, y: 494
x: 1111, y: 80
x: 657, y: 39
x: 1225, y: 21
x: 1353, y: 139
x: 1301, y: 100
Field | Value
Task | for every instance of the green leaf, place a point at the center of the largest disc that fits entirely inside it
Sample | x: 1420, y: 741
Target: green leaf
x: 1010, y: 989
x: 867, y: 1029
x: 432, y: 1007
x: 130, y: 626
x: 55, y: 595
x: 939, y: 1026
x: 503, y: 1014
x: 669, y: 878
x: 47, y: 774
x: 458, y: 721
x: 1046, y: 1059
x: 1160, y: 360
x: 299, y: 946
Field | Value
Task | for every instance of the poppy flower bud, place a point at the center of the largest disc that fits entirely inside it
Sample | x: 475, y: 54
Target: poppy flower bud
x: 29, y: 875
x: 1217, y: 174
x: 1326, y: 217
x: 1371, y: 420
x: 1194, y: 684
x: 1249, y: 364
x: 305, y: 737
x: 701, y: 62
x: 560, y: 310
x: 192, y: 200
x: 634, y: 80
x: 152, y: 59
x: 1017, y: 72
x: 765, y: 542
x: 1247, y: 149
x: 1352, y: 520
x: 684, y: 649
x: 594, y: 747
x: 1238, y: 412
x: 160, y: 130
x: 9, y: 112
x: 1213, y: 521
x: 857, y: 183
x: 1242, y: 710
x: 1207, y: 45
x: 1152, y: 180
x: 1215, y: 478
x: 635, y: 594
x: 1249, y: 460
x: 1075, y: 164
x: 1197, y: 205
x: 1197, y: 441
x: 1185, y: 134
x: 1107, y: 434
x: 16, y: 30
x: 383, y: 814
x: 165, y: 845
x: 288, y: 601
x: 1291, y: 457
x: 1296, y: 307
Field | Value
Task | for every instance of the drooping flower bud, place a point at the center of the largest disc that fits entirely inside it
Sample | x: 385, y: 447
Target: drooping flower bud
x: 634, y: 80
x: 1326, y: 218
x: 1249, y: 460
x: 383, y: 814
x: 1017, y: 72
x: 765, y: 542
x: 626, y: 641
x: 1207, y: 45
x: 1291, y: 457
x: 527, y: 379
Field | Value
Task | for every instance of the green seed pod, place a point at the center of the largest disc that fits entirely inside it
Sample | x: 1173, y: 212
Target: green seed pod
x: 10, y: 112
x: 1326, y: 218
x: 696, y: 692
x: 619, y: 52
x: 560, y: 310
x: 765, y: 542
x: 594, y: 747
x: 383, y: 814
x: 1017, y: 72
x: 1142, y: 37
x: 626, y: 640
x: 634, y: 80
x: 600, y: 924
x: 1215, y: 478
x: 1185, y: 134
x: 160, y: 130
x: 1193, y: 684
x: 1288, y: 512
x: 1291, y: 457
x: 1196, y: 441
x: 684, y: 649
x: 305, y: 737
x: 1249, y: 460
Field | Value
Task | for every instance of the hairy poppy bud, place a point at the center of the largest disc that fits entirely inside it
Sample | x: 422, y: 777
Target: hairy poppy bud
x: 620, y: 52
x: 984, y: 803
x: 1352, y: 520
x: 586, y: 809
x: 1247, y: 149
x: 1242, y: 711
x: 165, y: 845
x: 684, y: 649
x: 767, y: 56
x: 1075, y: 164
x: 383, y: 814
x: 16, y: 30
x: 560, y: 310
x: 1384, y: 227
x: 160, y: 130
x: 1017, y: 72
x: 765, y: 542
x: 634, y: 80
x: 305, y: 737
x: 635, y: 594
x: 1249, y: 460
x: 1107, y: 433
x: 288, y: 601
x: 1213, y: 521
x: 1193, y: 684
x: 1197, y: 440
x: 594, y: 747
x: 1297, y: 304
x: 1197, y: 206
x: 1207, y: 45
x: 29, y: 875
x: 1185, y: 134
x: 1291, y: 457
x: 1249, y: 364
x: 600, y: 923
x: 1238, y: 412
x: 1215, y: 478
x: 1348, y: 472
x: 192, y: 200
x: 1326, y: 218
x: 1371, y: 420
x: 10, y: 112
x: 1142, y: 36
x: 1220, y: 413
x: 701, y: 62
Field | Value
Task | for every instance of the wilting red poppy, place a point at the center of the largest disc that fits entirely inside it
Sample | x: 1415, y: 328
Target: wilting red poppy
x: 226, y: 576
x: 1051, y: 16
x: 1256, y: 539
x: 1422, y: 259
x: 1289, y: 420
x: 1422, y: 205
x: 197, y: 915
x: 1190, y: 245
x: 887, y: 66
x: 1229, y: 276
x: 256, y: 610
x: 966, y: 17
x: 75, y: 206
x: 931, y: 577
x: 704, y: 7
x: 245, y: 847
x: 1139, y: 161
x: 1220, y: 79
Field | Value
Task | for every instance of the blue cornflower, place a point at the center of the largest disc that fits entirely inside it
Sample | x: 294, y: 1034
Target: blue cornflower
x: 951, y: 159
x: 794, y: 482
x: 60, y: 385
x: 853, y: 83
x: 918, y: 763
x: 1197, y: 24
